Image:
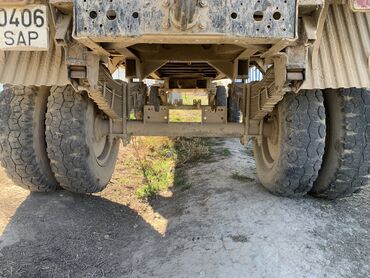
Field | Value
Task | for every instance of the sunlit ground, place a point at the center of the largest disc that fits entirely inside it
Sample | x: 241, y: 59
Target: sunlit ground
x: 11, y: 197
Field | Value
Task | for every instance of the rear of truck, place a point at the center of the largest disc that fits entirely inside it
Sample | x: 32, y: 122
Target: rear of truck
x: 63, y: 114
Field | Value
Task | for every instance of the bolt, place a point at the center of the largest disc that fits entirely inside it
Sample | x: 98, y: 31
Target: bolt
x: 166, y: 24
x: 203, y: 3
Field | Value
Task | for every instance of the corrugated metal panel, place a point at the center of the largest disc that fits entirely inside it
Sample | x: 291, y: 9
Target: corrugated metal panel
x: 343, y: 57
x: 34, y: 67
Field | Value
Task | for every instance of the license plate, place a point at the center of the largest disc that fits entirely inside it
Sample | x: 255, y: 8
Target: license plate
x: 361, y: 5
x: 24, y: 28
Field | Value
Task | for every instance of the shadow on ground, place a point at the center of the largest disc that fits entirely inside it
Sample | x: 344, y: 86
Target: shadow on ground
x: 64, y: 234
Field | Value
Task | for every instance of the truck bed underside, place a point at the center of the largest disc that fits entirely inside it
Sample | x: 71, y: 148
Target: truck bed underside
x: 328, y: 42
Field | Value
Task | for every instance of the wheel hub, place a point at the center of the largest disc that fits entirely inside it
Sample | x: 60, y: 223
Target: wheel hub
x: 101, y: 143
x: 270, y: 139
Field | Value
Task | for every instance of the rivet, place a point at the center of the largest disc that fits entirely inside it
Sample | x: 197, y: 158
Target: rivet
x: 203, y: 3
x: 166, y: 25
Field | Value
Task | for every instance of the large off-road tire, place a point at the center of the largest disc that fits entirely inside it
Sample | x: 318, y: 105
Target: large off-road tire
x: 233, y: 103
x: 234, y: 113
x: 221, y: 96
x: 22, y: 138
x: 289, y: 156
x: 346, y: 164
x: 82, y: 160
x: 138, y: 98
x: 154, y: 98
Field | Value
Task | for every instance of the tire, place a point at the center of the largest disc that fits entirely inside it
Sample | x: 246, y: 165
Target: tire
x: 346, y: 164
x: 81, y: 163
x: 221, y: 96
x: 22, y: 138
x: 138, y: 97
x: 234, y: 111
x: 289, y: 159
x: 154, y: 98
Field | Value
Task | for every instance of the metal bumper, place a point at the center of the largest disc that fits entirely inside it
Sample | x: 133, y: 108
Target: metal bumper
x: 175, y: 21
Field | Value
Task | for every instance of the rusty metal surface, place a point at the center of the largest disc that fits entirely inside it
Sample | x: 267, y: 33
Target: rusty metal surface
x: 234, y: 18
x: 35, y: 67
x: 230, y: 130
x: 152, y: 116
x: 184, y: 14
x: 109, y: 94
x: 343, y: 60
x: 209, y: 115
x: 214, y: 116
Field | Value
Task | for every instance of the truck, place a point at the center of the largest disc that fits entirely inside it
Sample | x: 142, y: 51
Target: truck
x: 63, y: 115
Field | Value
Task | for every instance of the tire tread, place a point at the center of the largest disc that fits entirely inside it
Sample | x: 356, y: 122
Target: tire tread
x: 18, y: 153
x: 302, y: 146
x: 66, y: 140
x: 353, y: 171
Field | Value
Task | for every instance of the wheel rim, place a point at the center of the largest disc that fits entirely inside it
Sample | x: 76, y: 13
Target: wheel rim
x: 102, y: 150
x: 101, y: 143
x: 269, y: 146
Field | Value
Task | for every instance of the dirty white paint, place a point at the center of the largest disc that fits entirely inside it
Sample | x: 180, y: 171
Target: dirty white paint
x: 24, y: 28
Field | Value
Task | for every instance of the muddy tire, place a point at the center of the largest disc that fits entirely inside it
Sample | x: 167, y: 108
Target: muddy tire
x: 233, y: 103
x: 154, y: 98
x: 346, y: 164
x: 138, y: 98
x: 82, y: 161
x: 22, y: 138
x: 221, y: 96
x: 234, y: 110
x: 289, y: 156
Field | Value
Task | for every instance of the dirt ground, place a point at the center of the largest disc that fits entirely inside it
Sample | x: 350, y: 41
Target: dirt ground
x: 225, y: 225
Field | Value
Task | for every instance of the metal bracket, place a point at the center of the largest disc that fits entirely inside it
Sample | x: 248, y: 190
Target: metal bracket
x: 125, y: 136
x: 213, y: 116
x: 152, y: 116
x: 267, y: 93
x: 63, y: 33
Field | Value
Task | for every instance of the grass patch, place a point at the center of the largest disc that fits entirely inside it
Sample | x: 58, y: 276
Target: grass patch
x: 217, y: 149
x: 181, y: 181
x: 189, y: 99
x: 154, y: 165
x: 225, y: 152
x: 159, y: 161
x: 190, y: 150
x: 185, y: 116
x: 249, y: 150
x: 156, y: 178
x: 242, y: 178
x: 155, y: 159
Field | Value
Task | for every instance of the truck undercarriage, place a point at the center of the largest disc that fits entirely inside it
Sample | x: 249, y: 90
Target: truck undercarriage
x: 62, y: 53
